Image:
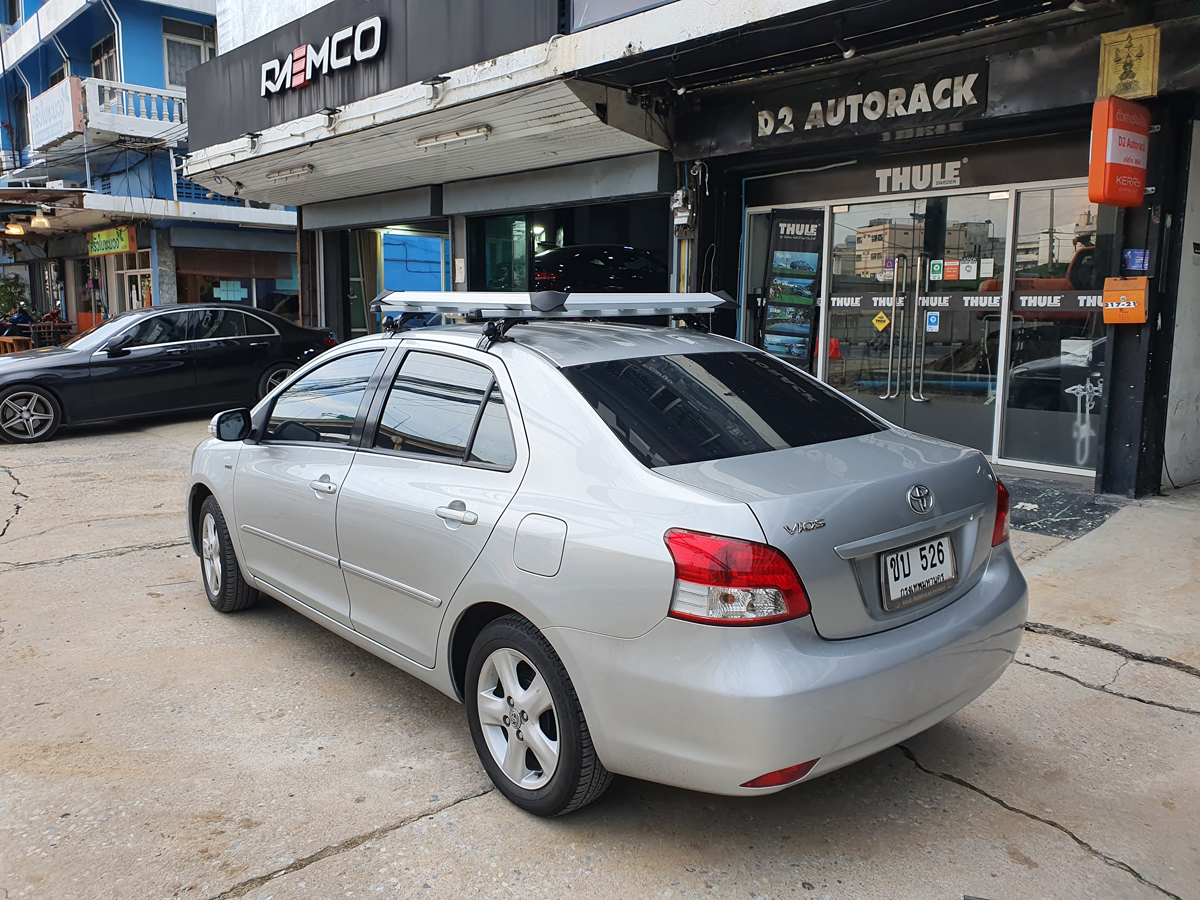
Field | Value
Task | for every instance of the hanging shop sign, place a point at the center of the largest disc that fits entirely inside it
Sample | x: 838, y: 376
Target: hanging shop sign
x: 112, y: 240
x: 1120, y: 143
x: 353, y: 44
x: 56, y: 114
x: 869, y: 103
x: 794, y: 282
x: 1129, y: 63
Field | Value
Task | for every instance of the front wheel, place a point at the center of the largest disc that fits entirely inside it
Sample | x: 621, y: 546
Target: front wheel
x: 226, y: 587
x: 526, y: 721
x: 28, y: 414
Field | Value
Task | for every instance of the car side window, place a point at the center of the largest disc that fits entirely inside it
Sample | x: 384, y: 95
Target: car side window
x: 493, y: 444
x: 256, y: 326
x: 321, y: 406
x: 218, y: 323
x: 165, y: 328
x: 433, y: 405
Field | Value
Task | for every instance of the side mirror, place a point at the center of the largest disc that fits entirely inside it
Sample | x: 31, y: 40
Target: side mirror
x: 231, y: 425
x: 116, y: 347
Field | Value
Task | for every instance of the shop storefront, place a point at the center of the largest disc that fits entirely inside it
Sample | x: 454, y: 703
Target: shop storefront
x: 916, y: 230
x: 971, y: 311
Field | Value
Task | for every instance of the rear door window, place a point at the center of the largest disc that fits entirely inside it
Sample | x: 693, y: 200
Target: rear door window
x: 432, y: 406
x: 671, y: 410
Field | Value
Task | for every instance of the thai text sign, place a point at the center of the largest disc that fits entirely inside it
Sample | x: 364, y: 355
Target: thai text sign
x: 111, y: 240
x: 56, y: 113
x: 1120, y: 143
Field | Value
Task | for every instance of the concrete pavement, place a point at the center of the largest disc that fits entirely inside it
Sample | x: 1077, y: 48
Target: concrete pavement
x: 153, y: 748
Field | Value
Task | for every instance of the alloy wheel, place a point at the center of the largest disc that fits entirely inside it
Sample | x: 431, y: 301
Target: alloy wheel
x: 277, y: 377
x: 210, y: 554
x: 26, y: 415
x: 518, y: 718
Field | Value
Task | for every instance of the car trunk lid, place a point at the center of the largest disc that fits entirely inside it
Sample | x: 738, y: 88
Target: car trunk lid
x: 836, y: 509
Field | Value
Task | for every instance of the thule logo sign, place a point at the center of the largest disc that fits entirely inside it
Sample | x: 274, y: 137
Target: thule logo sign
x: 355, y: 44
x: 799, y: 229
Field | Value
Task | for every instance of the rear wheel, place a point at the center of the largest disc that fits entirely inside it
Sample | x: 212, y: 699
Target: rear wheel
x: 28, y: 414
x: 227, y: 589
x: 275, y: 375
x: 526, y: 722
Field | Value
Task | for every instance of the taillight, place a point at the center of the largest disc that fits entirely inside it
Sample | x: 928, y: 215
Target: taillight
x: 329, y: 341
x: 548, y: 281
x: 1000, y: 532
x: 783, y: 776
x: 723, y: 581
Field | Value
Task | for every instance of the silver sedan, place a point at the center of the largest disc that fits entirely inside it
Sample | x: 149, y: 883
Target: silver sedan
x: 643, y: 551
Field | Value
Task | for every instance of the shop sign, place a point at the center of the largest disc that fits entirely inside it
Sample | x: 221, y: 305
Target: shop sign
x: 56, y: 113
x: 869, y: 104
x: 112, y: 240
x: 1129, y: 63
x: 353, y: 44
x: 1120, y: 144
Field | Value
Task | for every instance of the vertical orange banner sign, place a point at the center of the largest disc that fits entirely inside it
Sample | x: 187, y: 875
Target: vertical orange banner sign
x: 1120, y: 143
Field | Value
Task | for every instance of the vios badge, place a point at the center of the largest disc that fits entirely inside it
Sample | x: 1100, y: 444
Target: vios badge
x: 805, y: 526
x: 920, y: 498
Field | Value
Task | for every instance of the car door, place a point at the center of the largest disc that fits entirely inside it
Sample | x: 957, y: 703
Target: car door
x: 154, y: 372
x: 425, y: 491
x: 287, y: 487
x: 231, y: 350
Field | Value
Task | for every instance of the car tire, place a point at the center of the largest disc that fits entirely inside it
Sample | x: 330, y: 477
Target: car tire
x: 28, y: 414
x: 226, y: 587
x: 275, y: 375
x: 544, y: 763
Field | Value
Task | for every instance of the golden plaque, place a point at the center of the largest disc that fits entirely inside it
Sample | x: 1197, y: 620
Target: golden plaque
x: 1129, y: 63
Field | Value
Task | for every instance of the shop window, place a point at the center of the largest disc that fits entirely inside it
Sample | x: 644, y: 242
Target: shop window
x: 185, y: 46
x: 1057, y: 339
x: 619, y: 247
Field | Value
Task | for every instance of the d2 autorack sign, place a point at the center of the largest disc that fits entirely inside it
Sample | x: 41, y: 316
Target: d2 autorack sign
x: 348, y: 46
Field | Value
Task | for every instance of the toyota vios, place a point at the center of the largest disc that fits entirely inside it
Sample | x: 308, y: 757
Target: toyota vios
x: 644, y: 551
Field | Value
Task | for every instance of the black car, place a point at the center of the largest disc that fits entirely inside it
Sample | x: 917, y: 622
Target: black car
x: 599, y: 267
x: 155, y: 360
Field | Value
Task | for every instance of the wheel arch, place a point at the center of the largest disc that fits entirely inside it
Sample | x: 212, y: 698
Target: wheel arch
x: 466, y: 629
x: 197, y: 494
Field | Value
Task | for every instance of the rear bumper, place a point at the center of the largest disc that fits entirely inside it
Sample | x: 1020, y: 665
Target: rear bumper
x: 710, y: 708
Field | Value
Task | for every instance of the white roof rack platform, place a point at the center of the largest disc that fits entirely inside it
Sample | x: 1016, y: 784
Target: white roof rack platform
x: 482, y: 305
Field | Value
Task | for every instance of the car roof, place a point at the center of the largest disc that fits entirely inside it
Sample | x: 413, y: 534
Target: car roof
x: 577, y: 343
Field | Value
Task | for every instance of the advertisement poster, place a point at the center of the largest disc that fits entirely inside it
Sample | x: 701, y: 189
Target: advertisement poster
x: 794, y: 284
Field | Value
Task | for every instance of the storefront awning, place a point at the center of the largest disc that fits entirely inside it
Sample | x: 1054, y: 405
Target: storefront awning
x: 546, y: 125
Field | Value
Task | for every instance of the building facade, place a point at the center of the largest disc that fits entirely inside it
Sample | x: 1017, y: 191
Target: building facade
x: 896, y: 195
x: 99, y: 217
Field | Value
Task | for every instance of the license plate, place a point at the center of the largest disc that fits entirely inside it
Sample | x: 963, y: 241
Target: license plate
x: 919, y: 571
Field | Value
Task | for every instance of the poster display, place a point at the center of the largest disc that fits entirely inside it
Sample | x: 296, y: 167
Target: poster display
x: 794, y: 284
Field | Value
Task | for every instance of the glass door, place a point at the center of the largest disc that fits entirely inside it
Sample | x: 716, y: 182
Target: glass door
x: 875, y: 248
x: 914, y: 311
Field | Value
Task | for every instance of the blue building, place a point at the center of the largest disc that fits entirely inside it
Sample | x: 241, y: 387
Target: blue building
x: 96, y: 213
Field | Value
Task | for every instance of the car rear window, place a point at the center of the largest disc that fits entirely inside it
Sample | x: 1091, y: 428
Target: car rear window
x: 670, y: 410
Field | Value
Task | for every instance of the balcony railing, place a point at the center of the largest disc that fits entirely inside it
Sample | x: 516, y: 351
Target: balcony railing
x: 135, y: 110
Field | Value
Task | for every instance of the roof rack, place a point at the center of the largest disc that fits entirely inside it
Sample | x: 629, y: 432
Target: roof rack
x: 502, y: 310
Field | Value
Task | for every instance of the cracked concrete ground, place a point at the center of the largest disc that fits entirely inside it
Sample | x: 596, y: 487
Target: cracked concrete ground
x: 152, y: 748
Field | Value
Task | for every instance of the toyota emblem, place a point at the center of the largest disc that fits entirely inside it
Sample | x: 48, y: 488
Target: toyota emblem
x: 920, y: 498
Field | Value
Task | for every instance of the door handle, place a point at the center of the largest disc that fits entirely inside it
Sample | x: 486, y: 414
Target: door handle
x: 176, y: 351
x: 462, y: 516
x: 917, y: 393
x: 259, y: 344
x: 896, y: 268
x: 324, y: 485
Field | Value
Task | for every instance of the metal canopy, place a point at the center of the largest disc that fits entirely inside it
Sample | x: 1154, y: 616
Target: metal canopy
x: 481, y: 305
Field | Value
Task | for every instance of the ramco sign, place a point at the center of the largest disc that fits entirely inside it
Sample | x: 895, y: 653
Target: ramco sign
x: 860, y: 105
x: 340, y: 50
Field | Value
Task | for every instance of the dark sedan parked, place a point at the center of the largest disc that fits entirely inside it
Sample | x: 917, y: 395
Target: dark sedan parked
x: 147, y: 361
